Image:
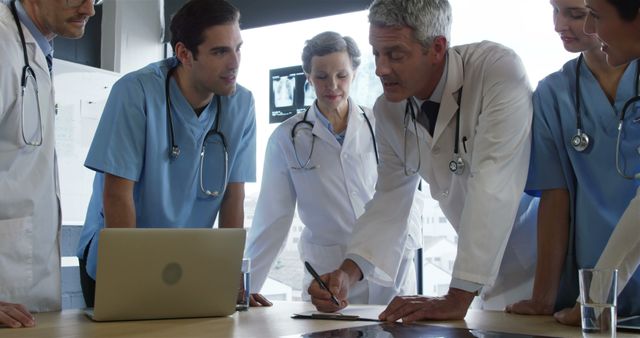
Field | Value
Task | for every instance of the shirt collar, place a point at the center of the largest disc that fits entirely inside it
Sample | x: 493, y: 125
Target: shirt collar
x: 436, y: 96
x: 325, y: 122
x: 42, y: 41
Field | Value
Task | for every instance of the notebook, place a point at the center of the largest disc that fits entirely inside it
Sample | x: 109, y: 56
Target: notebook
x: 167, y: 273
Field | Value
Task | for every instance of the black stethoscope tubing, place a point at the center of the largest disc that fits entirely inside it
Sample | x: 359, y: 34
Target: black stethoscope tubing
x: 456, y: 165
x: 174, y: 151
x: 581, y: 140
x: 27, y: 67
x: 310, y: 125
x: 26, y: 72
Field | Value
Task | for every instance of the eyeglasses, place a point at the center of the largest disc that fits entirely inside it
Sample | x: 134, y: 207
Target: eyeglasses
x: 78, y: 3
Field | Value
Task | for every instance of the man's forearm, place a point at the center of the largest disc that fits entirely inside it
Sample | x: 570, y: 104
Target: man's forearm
x: 119, y: 208
x: 232, y: 207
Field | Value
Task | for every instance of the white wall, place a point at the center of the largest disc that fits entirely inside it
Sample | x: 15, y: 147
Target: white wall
x: 81, y: 93
x: 131, y: 34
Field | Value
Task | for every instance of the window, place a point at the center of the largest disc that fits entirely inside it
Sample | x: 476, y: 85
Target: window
x: 525, y: 26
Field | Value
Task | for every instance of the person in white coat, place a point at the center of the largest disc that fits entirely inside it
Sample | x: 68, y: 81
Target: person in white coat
x: 323, y: 162
x: 29, y: 202
x: 472, y: 148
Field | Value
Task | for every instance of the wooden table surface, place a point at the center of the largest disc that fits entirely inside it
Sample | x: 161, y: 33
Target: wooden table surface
x: 274, y: 321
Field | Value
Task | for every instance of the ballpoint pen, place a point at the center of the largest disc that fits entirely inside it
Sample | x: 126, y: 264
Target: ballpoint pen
x: 320, y: 282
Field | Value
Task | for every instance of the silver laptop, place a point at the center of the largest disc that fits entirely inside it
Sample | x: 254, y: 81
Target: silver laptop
x: 167, y: 273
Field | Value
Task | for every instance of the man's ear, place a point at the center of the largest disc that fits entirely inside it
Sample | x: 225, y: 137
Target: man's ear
x: 183, y: 54
x: 439, y: 48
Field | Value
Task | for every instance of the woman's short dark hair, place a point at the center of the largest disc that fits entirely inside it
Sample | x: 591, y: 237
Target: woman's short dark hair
x: 627, y: 9
x: 196, y: 16
x: 326, y: 43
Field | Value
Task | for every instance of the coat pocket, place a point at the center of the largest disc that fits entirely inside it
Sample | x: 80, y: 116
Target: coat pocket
x: 16, y: 256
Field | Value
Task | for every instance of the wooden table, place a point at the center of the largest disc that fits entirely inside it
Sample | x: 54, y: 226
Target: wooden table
x: 274, y: 321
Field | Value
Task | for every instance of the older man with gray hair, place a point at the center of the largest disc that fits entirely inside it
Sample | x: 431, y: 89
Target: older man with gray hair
x: 459, y: 118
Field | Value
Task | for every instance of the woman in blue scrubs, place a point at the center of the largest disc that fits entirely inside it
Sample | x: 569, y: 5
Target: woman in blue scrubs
x: 616, y: 23
x: 572, y: 166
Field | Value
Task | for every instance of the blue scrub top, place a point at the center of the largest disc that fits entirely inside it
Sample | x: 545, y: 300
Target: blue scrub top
x: 598, y: 194
x: 132, y: 142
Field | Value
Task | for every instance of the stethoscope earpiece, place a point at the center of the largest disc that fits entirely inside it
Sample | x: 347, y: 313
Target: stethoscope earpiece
x: 580, y: 141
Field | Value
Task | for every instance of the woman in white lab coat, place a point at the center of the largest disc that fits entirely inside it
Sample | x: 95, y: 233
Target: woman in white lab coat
x: 323, y: 161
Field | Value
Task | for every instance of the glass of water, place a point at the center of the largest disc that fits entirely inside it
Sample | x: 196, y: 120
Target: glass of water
x: 598, y: 292
x: 244, y: 292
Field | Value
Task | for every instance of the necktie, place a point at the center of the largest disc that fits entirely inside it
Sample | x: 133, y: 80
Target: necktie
x: 428, y: 115
x: 49, y: 58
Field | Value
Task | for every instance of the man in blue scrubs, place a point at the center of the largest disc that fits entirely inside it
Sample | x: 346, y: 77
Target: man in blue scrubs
x: 147, y: 157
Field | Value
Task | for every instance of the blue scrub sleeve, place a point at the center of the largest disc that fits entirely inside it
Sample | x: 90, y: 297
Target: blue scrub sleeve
x: 545, y: 167
x: 119, y: 142
x: 244, y: 166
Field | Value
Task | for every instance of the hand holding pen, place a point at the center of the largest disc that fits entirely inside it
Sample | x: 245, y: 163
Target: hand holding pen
x: 322, y: 285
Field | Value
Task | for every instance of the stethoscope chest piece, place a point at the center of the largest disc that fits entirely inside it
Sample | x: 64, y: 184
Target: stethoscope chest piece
x: 457, y: 165
x: 580, y: 141
x: 175, y: 152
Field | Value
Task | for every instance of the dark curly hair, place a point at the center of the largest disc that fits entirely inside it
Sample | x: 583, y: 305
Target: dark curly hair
x: 196, y: 16
x: 627, y: 9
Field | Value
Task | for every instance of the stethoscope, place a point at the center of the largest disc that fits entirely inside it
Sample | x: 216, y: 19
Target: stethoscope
x: 457, y: 164
x: 174, y: 152
x: 581, y: 141
x: 308, y: 125
x: 621, y: 171
x: 27, y: 74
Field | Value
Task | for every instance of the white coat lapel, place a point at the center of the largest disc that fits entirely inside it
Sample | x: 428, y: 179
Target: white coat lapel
x: 449, y: 104
x: 36, y: 57
x: 354, y: 126
x: 319, y: 130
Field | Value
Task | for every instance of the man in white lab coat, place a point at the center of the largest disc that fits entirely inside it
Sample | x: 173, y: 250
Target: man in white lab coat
x: 29, y: 198
x: 472, y: 147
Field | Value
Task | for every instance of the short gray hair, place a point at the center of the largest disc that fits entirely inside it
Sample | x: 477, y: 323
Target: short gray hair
x: 326, y: 43
x: 427, y: 18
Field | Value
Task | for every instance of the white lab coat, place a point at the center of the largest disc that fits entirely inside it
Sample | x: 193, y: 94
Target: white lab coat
x: 329, y: 199
x: 623, y: 248
x: 481, y: 204
x: 29, y: 204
